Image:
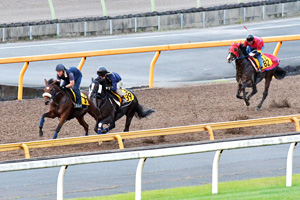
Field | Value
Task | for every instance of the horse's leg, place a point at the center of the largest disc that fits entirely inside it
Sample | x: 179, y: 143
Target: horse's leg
x: 49, y: 114
x: 128, y: 121
x: 60, y: 124
x: 245, y: 94
x: 265, y: 94
x: 239, y: 90
x: 111, y: 126
x: 254, y: 91
x: 107, y: 120
x: 83, y: 123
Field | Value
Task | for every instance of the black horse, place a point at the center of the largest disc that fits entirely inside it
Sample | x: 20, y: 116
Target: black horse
x: 61, y: 106
x: 110, y: 110
x: 247, y: 76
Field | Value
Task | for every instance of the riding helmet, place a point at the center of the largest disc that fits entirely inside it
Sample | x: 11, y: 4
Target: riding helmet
x: 250, y: 38
x: 60, y: 67
x: 101, y: 71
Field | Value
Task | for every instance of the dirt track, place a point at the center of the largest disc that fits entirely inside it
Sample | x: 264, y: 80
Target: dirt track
x: 205, y: 103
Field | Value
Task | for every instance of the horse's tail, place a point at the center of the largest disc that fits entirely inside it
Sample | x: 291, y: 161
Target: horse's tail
x: 141, y: 113
x: 279, y: 73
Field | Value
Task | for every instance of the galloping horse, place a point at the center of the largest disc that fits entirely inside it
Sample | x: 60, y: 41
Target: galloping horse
x: 247, y: 76
x: 109, y: 109
x: 62, y: 106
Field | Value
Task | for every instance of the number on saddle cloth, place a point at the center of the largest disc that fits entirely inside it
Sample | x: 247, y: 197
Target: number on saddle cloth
x: 269, y: 61
x: 84, y: 99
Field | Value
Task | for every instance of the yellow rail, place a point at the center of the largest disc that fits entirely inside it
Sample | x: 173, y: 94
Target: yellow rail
x: 157, y: 49
x: 150, y: 133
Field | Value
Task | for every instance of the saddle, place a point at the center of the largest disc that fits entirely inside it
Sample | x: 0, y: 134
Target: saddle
x: 84, y: 99
x: 269, y: 62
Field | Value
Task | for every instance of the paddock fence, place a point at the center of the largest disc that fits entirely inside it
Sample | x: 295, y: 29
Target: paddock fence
x: 83, y: 55
x: 209, y: 128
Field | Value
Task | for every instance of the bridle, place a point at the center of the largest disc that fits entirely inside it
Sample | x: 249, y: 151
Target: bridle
x: 53, y: 93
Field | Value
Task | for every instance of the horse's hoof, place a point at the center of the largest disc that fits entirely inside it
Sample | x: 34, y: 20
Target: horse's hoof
x: 99, y: 132
x: 41, y: 133
x: 247, y: 103
x: 86, y: 134
x: 105, y: 130
x: 257, y: 109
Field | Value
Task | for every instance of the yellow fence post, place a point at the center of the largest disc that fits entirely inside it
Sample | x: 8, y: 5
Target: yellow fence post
x: 121, y: 145
x: 83, y: 59
x: 20, y: 88
x: 277, y: 48
x: 296, y: 121
x: 26, y: 150
x: 210, y: 132
x: 151, y: 74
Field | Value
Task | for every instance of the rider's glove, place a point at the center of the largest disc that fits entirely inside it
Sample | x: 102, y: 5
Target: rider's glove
x: 251, y: 54
x: 107, y: 88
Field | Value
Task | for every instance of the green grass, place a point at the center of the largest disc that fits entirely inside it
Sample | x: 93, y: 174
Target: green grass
x: 264, y: 188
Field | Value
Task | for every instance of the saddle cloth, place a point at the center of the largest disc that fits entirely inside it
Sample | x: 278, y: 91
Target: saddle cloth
x: 84, y: 99
x: 269, y: 62
x: 128, y: 96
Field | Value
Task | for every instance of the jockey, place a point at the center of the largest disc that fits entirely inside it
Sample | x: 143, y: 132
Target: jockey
x: 72, y: 78
x: 114, y: 80
x: 255, y: 46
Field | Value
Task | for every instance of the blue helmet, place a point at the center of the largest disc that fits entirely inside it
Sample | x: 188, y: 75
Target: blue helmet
x: 60, y: 67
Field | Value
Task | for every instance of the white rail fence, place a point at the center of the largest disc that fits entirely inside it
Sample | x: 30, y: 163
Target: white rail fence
x: 159, y: 151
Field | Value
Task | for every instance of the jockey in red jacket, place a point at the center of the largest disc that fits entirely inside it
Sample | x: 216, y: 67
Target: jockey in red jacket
x: 254, y: 47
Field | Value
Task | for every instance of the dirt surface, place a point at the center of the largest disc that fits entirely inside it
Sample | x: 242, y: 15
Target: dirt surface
x: 189, y: 105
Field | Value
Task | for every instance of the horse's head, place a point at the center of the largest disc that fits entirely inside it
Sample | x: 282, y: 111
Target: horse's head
x: 95, y: 88
x: 234, y: 52
x: 50, y: 90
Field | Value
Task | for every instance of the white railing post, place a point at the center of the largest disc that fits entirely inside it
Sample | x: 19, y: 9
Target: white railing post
x: 138, y: 179
x: 30, y: 32
x: 85, y: 27
x: 203, y: 20
x: 158, y: 23
x: 181, y: 20
x: 215, y: 171
x: 60, y: 182
x: 135, y: 24
x: 110, y: 27
x: 289, y: 165
x: 57, y: 29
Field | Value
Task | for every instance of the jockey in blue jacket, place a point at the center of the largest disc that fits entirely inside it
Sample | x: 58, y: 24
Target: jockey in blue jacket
x: 72, y: 78
x: 114, y: 80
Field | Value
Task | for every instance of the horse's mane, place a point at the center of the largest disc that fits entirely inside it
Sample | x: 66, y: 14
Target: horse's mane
x: 243, y: 49
x: 51, y: 80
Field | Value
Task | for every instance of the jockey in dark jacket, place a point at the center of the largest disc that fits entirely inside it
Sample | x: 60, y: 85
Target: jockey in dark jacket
x: 114, y: 80
x: 72, y: 78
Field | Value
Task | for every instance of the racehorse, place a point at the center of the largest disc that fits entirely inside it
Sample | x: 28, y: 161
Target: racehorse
x: 61, y: 106
x: 247, y: 76
x: 109, y: 109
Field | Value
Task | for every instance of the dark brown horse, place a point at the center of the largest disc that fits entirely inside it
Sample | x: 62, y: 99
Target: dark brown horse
x: 247, y: 76
x: 110, y: 111
x: 61, y: 106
